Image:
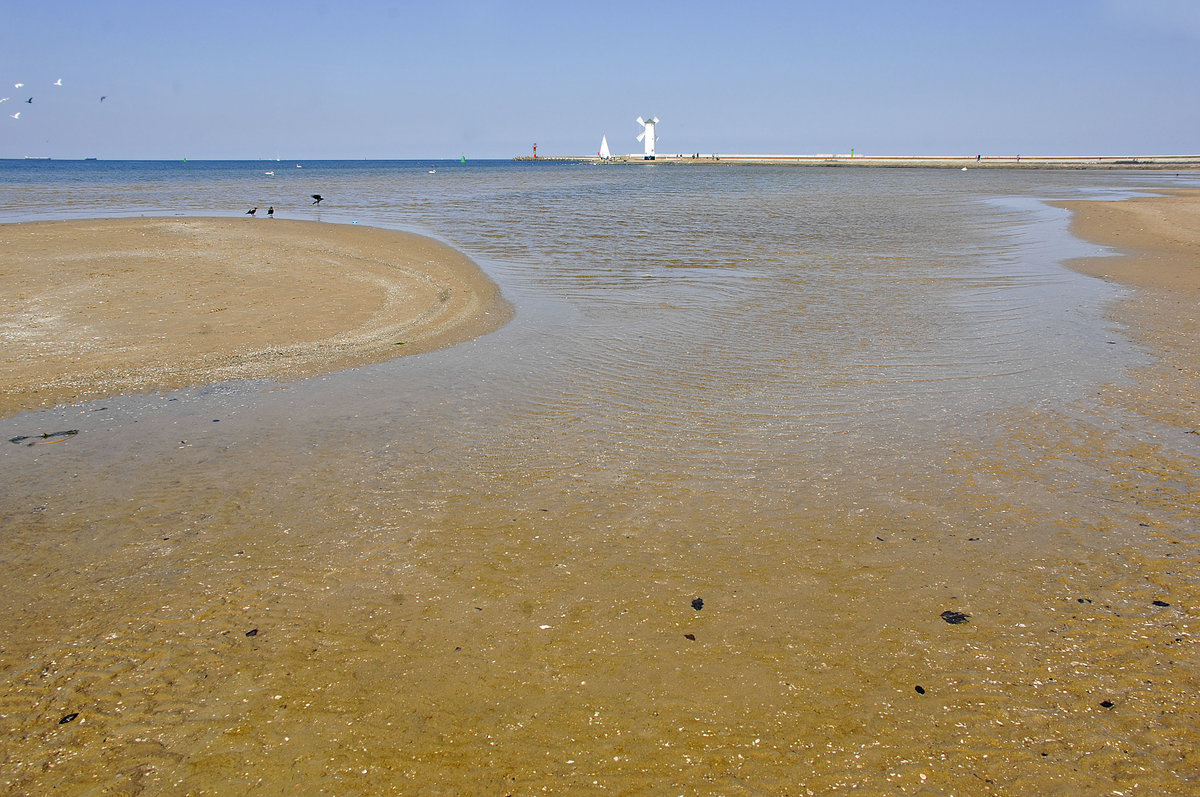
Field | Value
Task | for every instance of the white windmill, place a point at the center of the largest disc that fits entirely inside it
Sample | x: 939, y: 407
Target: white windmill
x: 648, y: 134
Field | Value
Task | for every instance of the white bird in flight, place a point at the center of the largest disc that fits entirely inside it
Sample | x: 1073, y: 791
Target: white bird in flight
x: 17, y: 115
x: 18, y: 85
x: 58, y: 82
x: 3, y: 99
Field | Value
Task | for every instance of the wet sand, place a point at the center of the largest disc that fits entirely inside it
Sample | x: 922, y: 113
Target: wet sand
x: 435, y: 609
x: 121, y: 306
x: 1157, y: 241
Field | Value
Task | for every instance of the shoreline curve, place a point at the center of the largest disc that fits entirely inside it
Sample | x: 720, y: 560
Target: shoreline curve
x: 104, y: 307
x: 1155, y: 252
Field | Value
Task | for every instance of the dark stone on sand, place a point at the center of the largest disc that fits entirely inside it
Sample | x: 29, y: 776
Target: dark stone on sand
x: 252, y: 632
x: 43, y: 436
x: 68, y: 718
x: 1161, y: 603
x: 697, y: 603
x: 1106, y: 703
x: 954, y: 618
x: 690, y: 636
x: 920, y: 689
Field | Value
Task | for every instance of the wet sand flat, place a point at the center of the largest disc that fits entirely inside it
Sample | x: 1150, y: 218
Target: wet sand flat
x: 1157, y: 244
x: 437, y: 608
x: 120, y: 306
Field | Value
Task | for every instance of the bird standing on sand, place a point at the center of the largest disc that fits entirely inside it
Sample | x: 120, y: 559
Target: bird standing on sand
x: 252, y: 211
x: 271, y: 212
x: 317, y: 199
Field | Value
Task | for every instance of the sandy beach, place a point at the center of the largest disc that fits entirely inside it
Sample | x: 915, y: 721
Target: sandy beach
x: 1156, y: 244
x: 368, y: 584
x: 120, y: 306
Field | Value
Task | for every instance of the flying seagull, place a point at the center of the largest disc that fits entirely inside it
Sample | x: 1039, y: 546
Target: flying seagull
x: 30, y: 100
x: 18, y: 85
x: 16, y: 115
x: 317, y: 198
x: 58, y: 82
x: 103, y: 98
x: 252, y: 211
x: 3, y: 99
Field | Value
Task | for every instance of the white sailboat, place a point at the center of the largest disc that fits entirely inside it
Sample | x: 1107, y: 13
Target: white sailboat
x: 604, y: 151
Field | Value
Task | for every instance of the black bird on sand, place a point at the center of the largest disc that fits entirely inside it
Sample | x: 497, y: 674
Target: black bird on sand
x: 317, y: 199
x: 252, y: 211
x: 271, y: 212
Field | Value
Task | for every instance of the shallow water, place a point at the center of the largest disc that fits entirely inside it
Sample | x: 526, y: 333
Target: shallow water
x: 831, y: 403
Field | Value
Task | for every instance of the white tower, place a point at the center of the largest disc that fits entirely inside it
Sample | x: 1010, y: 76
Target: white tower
x: 648, y: 134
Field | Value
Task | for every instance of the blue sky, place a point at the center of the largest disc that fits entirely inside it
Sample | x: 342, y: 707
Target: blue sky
x: 328, y: 79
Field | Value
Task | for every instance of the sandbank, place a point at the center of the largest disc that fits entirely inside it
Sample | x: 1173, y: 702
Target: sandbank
x: 1157, y: 240
x: 116, y: 306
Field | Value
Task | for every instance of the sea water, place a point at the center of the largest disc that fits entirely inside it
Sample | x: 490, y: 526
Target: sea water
x: 686, y: 308
x: 812, y: 295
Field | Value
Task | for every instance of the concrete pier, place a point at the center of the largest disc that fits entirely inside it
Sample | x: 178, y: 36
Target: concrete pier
x: 1182, y: 162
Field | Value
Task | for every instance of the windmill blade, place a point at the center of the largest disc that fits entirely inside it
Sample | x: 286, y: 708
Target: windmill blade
x: 654, y: 121
x: 641, y: 121
x: 641, y: 135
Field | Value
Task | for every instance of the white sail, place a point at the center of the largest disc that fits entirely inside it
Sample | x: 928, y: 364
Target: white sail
x: 604, y: 153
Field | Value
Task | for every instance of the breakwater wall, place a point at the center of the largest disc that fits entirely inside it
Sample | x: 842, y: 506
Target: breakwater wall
x: 1182, y: 162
